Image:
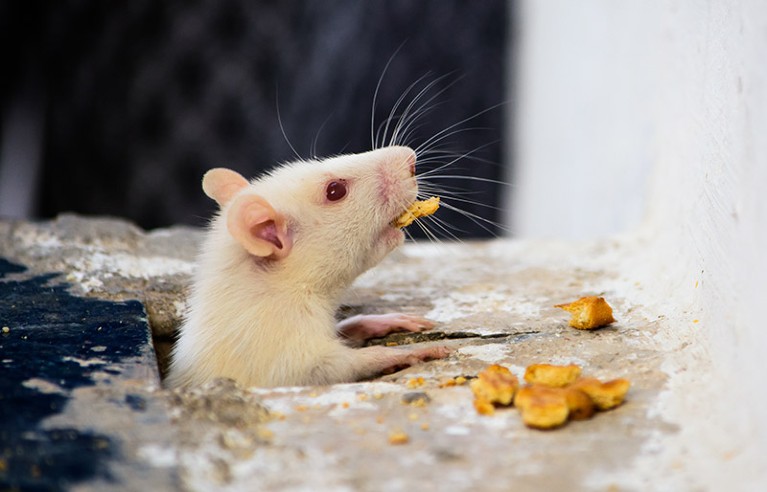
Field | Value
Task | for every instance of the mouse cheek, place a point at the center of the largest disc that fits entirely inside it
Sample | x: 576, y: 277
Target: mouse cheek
x: 390, y: 239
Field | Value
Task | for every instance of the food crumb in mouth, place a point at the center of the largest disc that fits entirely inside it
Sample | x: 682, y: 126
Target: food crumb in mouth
x: 418, y: 209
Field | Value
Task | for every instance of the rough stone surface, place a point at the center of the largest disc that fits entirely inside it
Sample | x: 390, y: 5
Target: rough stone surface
x: 110, y: 259
x: 493, y: 302
x: 77, y: 388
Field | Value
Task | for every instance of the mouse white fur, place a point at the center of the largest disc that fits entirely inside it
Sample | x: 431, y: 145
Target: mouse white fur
x: 275, y: 262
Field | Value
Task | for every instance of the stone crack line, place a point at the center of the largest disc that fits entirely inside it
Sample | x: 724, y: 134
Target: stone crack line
x: 431, y: 336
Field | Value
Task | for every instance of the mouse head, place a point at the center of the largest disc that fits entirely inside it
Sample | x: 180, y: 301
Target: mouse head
x: 320, y: 222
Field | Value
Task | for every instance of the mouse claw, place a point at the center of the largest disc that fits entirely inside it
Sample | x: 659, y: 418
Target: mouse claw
x: 362, y: 327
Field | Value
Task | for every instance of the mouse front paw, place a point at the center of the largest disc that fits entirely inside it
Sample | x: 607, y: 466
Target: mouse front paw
x: 431, y: 353
x: 403, y: 359
x: 363, y: 327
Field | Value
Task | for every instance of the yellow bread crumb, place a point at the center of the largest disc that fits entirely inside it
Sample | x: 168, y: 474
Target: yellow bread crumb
x: 483, y: 407
x: 605, y: 395
x: 417, y: 210
x: 398, y: 437
x: 579, y: 405
x: 456, y: 381
x: 415, y: 382
x: 542, y: 407
x: 589, y: 312
x: 496, y: 384
x: 551, y: 375
x: 555, y: 395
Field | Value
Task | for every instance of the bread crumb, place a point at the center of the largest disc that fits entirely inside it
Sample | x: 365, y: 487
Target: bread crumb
x: 552, y: 375
x: 579, y: 405
x: 484, y: 407
x: 398, y: 437
x: 413, y: 383
x: 495, y: 385
x: 542, y: 407
x: 589, y: 313
x: 456, y: 381
x: 605, y: 395
x: 417, y: 210
x: 554, y: 395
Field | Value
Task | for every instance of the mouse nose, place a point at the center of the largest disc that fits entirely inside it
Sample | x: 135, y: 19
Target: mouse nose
x: 411, y: 162
x: 403, y: 158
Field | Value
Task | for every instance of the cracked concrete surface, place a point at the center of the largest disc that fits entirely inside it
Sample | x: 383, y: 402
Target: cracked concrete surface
x: 493, y: 302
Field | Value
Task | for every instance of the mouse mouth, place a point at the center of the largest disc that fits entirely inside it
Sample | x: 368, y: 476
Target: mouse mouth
x: 416, y: 210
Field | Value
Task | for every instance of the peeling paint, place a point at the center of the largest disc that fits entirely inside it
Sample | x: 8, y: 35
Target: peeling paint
x: 44, y: 386
x: 490, y: 352
x: 159, y: 456
x: 459, y: 305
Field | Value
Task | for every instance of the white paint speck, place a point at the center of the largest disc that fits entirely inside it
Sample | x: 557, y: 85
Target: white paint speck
x: 457, y: 430
x: 83, y: 362
x: 463, y: 304
x: 44, y: 386
x: 490, y: 352
x: 158, y: 456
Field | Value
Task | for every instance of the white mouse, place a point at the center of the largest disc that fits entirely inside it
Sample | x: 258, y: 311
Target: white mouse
x: 273, y: 267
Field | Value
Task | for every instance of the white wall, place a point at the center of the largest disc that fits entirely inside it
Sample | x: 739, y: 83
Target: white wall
x: 584, y: 141
x: 651, y: 117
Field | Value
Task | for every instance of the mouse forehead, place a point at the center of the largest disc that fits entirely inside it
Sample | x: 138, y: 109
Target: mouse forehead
x: 303, y: 178
x: 366, y: 162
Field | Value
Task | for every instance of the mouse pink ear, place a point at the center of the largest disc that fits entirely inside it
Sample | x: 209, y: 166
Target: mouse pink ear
x: 258, y: 228
x: 222, y: 184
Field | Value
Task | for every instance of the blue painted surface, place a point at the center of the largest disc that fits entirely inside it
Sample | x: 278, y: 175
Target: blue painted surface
x: 48, y: 330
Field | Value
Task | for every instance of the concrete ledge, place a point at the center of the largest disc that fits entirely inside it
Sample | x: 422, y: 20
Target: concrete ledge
x: 493, y: 302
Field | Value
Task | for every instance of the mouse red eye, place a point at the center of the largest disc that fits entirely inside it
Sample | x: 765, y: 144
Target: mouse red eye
x: 335, y: 190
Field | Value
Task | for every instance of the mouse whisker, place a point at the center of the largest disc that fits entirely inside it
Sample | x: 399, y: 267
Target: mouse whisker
x: 313, y: 150
x: 433, y: 144
x: 374, y: 137
x: 472, y: 178
x: 282, y: 127
x: 423, y: 108
x: 471, y: 202
x: 456, y: 125
x: 393, y: 114
x: 478, y: 220
x: 444, y: 227
x: 445, y: 157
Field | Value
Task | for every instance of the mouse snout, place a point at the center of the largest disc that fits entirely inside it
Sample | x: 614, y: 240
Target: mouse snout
x: 404, y: 157
x: 409, y: 160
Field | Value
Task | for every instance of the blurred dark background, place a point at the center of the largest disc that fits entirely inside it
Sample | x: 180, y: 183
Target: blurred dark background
x: 118, y: 108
